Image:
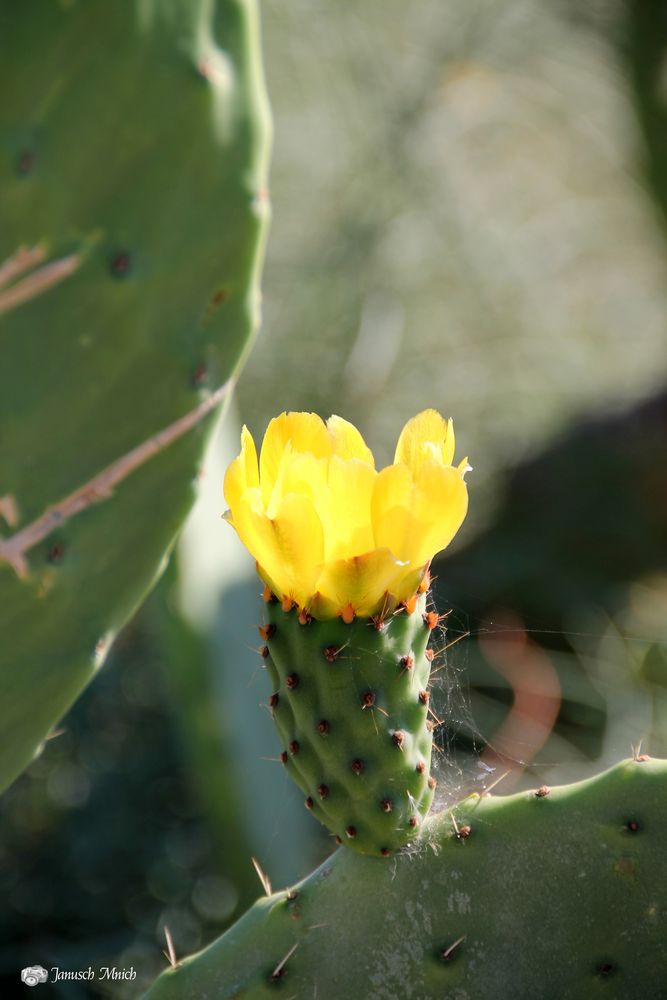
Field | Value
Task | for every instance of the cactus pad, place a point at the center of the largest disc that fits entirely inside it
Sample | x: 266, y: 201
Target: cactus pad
x: 351, y: 704
x: 559, y: 894
x: 133, y: 149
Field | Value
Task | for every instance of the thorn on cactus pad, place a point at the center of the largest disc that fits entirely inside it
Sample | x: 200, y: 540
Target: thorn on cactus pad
x: 542, y: 792
x: 367, y: 699
x: 309, y: 803
x: 357, y: 766
x: 120, y: 263
x: 331, y: 653
x: 385, y: 852
x: 425, y: 582
x: 420, y: 767
x: 338, y: 840
x: 398, y: 738
x: 407, y: 662
x: 429, y: 654
x: 294, y: 748
x: 304, y: 617
x: 378, y: 623
x: 424, y: 697
x: 291, y: 895
x: 200, y: 375
x: 25, y: 163
x: 274, y: 699
x: 463, y: 832
x: 447, y: 953
x: 348, y: 614
x: 386, y: 805
x: 432, y: 783
x: 264, y: 652
x: 351, y: 832
x: 323, y: 791
x: 413, y: 821
x: 411, y: 604
x: 632, y: 826
x: 322, y: 727
x: 279, y: 970
x: 605, y: 969
x: 267, y: 631
x: 292, y: 681
x: 56, y: 553
x: 268, y: 596
x: 284, y: 757
x: 287, y: 603
x: 431, y: 619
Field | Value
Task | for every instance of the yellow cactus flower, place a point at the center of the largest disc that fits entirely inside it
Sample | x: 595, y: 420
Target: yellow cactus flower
x: 329, y: 533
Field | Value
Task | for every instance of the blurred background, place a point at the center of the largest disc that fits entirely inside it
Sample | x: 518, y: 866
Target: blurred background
x: 469, y: 213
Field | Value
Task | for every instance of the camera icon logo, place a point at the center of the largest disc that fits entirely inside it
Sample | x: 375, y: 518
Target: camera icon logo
x: 33, y: 975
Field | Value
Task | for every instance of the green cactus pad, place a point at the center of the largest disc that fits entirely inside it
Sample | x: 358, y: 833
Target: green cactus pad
x: 351, y: 705
x: 133, y: 153
x: 554, y: 894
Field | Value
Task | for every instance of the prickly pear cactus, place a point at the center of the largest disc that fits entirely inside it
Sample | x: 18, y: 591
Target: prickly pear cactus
x: 344, y: 552
x: 133, y: 148
x: 559, y: 894
x: 351, y: 704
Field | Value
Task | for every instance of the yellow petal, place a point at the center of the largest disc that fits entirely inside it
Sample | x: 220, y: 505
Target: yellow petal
x: 344, y: 505
x: 426, y: 437
x: 305, y: 431
x: 439, y: 505
x: 361, y: 581
x: 347, y: 442
x: 288, y: 546
x: 390, y: 510
x: 243, y: 472
x: 299, y: 472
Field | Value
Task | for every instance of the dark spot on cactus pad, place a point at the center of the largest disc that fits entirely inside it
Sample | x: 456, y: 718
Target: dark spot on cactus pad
x: 420, y: 767
x: 274, y: 699
x: 219, y: 297
x: 267, y: 631
x: 385, y: 852
x: 407, y: 662
x: 323, y: 791
x: 632, y: 826
x: 292, y: 895
x: 294, y: 748
x: 25, y: 163
x: 357, y: 766
x: 331, y: 653
x: 284, y: 757
x: 264, y: 652
x: 309, y: 803
x: 424, y: 697
x: 398, y: 738
x: 292, y: 681
x: 386, y: 805
x: 414, y: 821
x: 56, y: 553
x: 429, y: 654
x: 542, y: 792
x: 322, y: 727
x: 367, y: 699
x: 351, y: 832
x: 605, y: 969
x: 200, y: 375
x: 463, y: 832
x: 432, y: 783
x: 120, y: 264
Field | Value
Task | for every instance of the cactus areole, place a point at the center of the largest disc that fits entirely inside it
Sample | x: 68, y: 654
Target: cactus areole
x: 344, y: 552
